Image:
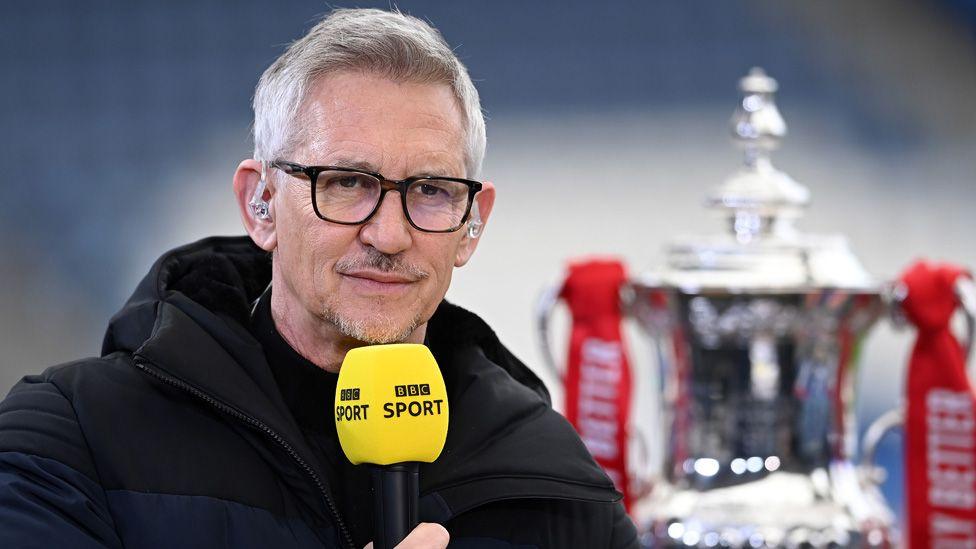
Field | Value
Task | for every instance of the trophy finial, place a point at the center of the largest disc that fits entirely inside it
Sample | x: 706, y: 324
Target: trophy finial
x: 757, y: 125
x: 759, y: 198
x: 757, y: 81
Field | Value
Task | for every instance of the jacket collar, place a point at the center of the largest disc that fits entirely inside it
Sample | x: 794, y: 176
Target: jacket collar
x: 186, y: 321
x: 188, y: 317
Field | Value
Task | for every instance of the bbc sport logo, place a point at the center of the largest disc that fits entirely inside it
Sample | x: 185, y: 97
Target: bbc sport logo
x: 416, y: 389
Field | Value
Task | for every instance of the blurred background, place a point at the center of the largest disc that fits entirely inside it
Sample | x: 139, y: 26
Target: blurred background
x: 121, y: 124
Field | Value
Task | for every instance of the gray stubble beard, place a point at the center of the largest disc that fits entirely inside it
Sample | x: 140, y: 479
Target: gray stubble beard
x: 367, y: 331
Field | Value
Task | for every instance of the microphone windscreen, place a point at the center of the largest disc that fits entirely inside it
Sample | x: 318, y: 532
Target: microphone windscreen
x: 391, y: 405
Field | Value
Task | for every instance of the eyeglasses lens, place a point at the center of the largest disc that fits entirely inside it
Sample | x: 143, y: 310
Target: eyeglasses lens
x: 436, y: 204
x: 346, y: 197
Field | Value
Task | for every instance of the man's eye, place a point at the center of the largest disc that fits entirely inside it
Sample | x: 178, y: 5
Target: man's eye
x: 347, y: 182
x: 430, y: 190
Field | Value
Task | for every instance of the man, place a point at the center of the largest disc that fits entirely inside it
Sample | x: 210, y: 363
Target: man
x: 206, y: 421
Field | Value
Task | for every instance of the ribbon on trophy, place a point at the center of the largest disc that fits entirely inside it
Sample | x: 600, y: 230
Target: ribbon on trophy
x: 598, y: 376
x: 940, y: 428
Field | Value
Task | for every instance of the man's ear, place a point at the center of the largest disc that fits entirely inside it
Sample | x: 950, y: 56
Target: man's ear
x: 248, y: 180
x: 475, y: 227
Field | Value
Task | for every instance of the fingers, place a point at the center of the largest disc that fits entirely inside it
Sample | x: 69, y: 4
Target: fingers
x: 427, y: 535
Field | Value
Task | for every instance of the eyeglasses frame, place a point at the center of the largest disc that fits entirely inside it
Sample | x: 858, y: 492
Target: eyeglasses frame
x: 312, y: 173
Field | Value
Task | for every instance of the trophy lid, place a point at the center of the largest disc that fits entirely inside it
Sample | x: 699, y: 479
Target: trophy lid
x: 761, y: 249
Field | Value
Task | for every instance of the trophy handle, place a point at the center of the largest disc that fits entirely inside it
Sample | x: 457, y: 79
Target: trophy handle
x: 895, y: 418
x: 641, y: 483
x: 966, y: 294
x: 543, y: 311
x: 884, y: 424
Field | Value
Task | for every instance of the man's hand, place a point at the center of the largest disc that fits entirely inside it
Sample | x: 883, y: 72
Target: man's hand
x: 427, y: 535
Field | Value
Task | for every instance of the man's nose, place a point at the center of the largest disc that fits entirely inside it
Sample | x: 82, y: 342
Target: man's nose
x: 388, y: 231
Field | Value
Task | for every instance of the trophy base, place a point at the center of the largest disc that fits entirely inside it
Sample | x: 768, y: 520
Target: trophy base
x: 781, y: 510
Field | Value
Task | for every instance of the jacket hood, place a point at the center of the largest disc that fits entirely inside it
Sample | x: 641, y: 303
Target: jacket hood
x: 188, y: 318
x: 222, y: 274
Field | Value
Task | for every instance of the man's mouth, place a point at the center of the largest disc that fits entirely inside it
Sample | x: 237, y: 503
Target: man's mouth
x: 380, y: 276
x: 379, y: 283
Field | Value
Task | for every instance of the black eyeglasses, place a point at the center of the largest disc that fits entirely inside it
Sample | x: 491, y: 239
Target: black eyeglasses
x: 349, y: 196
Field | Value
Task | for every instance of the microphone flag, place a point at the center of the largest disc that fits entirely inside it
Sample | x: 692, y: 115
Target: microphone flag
x: 391, y: 405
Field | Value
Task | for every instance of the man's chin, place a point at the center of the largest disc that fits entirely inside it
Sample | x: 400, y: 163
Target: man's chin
x: 374, y: 330
x: 377, y: 337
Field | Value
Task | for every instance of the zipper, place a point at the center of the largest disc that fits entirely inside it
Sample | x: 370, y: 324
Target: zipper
x: 144, y: 365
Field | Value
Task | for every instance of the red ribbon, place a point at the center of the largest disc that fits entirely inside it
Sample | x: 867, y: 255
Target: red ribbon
x: 940, y: 429
x: 598, y: 378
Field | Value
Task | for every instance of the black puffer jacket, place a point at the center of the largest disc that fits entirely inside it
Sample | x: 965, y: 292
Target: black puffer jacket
x: 178, y: 437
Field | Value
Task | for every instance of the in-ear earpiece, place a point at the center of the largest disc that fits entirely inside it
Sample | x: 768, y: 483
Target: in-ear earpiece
x: 475, y: 224
x: 259, y: 206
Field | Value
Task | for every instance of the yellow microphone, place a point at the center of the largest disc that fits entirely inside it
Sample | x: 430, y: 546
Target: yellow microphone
x: 391, y: 412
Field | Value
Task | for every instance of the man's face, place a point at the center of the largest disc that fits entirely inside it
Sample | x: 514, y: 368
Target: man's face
x: 379, y: 281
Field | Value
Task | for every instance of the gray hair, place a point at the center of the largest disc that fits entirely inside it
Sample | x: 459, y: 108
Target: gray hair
x: 390, y: 44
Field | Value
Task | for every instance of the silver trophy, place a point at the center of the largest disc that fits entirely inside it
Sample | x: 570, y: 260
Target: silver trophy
x: 757, y: 332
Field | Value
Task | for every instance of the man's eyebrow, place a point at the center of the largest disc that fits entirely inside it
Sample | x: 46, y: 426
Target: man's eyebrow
x: 367, y: 166
x: 363, y: 165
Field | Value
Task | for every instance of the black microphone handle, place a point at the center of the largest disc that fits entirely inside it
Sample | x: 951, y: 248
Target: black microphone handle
x: 396, y: 496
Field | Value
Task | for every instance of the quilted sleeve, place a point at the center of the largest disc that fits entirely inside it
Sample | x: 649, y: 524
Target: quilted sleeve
x: 49, y: 490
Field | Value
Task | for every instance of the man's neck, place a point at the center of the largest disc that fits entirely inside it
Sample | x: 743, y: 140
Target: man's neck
x: 317, y: 340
